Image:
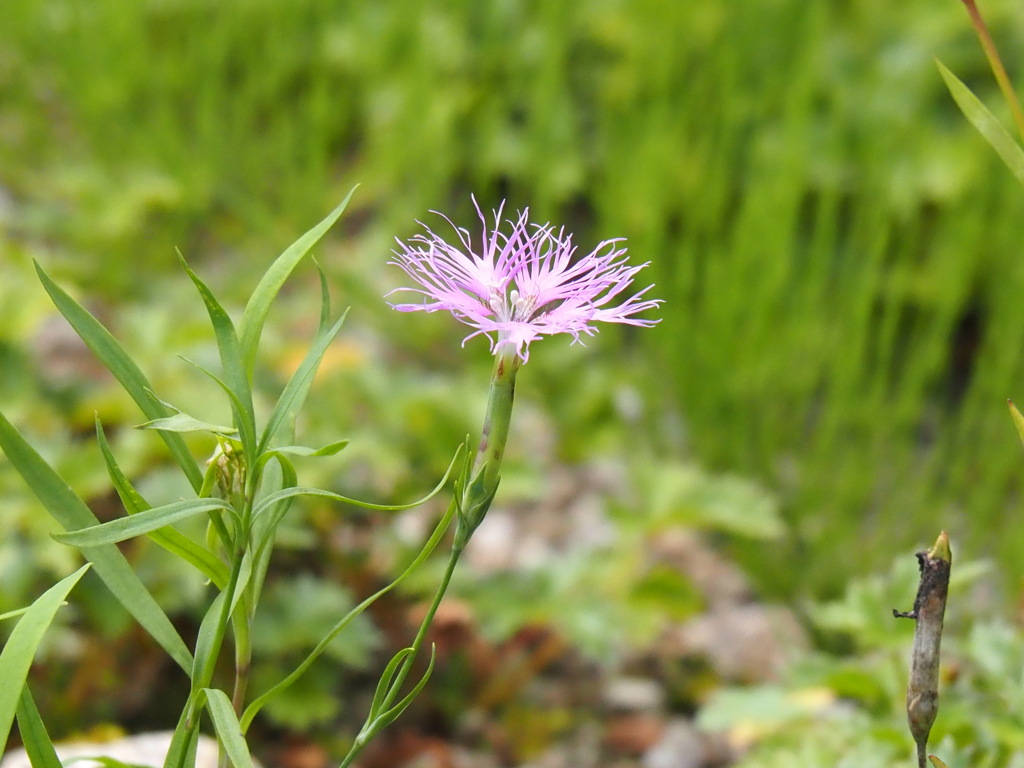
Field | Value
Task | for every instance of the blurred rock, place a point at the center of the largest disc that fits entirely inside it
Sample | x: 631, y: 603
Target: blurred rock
x: 718, y: 580
x: 144, y: 749
x: 681, y: 746
x: 569, y: 517
x: 749, y: 643
x: 633, y: 734
x: 62, y: 358
x: 634, y: 694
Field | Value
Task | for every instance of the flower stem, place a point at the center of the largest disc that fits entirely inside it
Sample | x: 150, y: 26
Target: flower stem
x: 481, y: 485
x: 242, y: 625
x: 499, y: 415
x: 992, y: 54
x: 403, y: 672
x: 421, y: 635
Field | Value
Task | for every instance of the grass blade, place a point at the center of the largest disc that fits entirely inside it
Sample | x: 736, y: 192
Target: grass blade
x: 985, y: 122
x: 439, y: 530
x: 119, y: 363
x: 295, y: 391
x: 128, y: 527
x: 21, y: 647
x: 38, y: 744
x: 170, y: 539
x: 256, y: 310
x: 228, y: 730
x: 72, y: 513
x: 231, y: 362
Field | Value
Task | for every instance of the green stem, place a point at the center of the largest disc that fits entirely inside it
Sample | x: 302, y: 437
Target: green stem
x: 479, y: 488
x: 475, y: 492
x: 403, y: 671
x: 242, y: 624
x: 992, y: 54
x: 494, y: 434
x: 421, y: 635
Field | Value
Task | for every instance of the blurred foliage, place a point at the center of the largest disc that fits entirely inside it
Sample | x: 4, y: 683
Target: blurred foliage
x: 838, y: 251
x: 848, y: 709
x: 295, y: 614
x: 837, y: 248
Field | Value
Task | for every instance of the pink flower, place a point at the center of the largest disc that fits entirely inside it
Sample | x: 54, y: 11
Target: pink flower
x: 521, y: 284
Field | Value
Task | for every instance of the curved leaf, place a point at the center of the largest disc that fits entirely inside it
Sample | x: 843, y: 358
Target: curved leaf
x: 985, y: 123
x: 119, y: 363
x: 287, y: 493
x: 142, y: 522
x: 439, y: 530
x: 255, y: 314
x: 182, y: 422
x: 38, y: 745
x: 228, y: 730
x: 294, y: 393
x: 170, y: 539
x: 235, y: 376
x: 72, y: 513
x: 20, y: 649
x: 302, y: 450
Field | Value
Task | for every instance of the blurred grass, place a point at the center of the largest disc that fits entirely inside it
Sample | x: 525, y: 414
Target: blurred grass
x: 839, y: 253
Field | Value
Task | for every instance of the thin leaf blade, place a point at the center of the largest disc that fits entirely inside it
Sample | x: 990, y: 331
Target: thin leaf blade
x: 235, y: 376
x: 119, y: 362
x: 20, y: 649
x: 985, y: 123
x: 294, y: 393
x: 258, y: 308
x: 124, y: 528
x: 38, y: 744
x: 228, y: 730
x: 72, y: 513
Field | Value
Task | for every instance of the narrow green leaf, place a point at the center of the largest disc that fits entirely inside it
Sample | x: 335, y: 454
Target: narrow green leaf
x: 985, y: 122
x: 124, y: 528
x: 439, y: 530
x: 228, y: 730
x: 170, y: 539
x: 383, y: 692
x: 279, y: 475
x: 131, y: 499
x: 302, y: 450
x: 291, y: 492
x: 38, y: 745
x: 235, y: 376
x: 182, y: 422
x: 288, y: 493
x: 21, y: 647
x: 185, y: 740
x: 208, y: 641
x: 237, y: 403
x: 1018, y: 419
x: 255, y: 314
x: 294, y: 393
x: 72, y: 513
x: 119, y: 363
x: 325, y: 297
x: 386, y: 718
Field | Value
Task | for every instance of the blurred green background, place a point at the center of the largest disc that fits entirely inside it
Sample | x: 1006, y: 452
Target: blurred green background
x: 838, y: 251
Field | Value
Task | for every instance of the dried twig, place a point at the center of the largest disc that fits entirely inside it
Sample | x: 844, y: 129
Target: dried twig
x: 929, y: 608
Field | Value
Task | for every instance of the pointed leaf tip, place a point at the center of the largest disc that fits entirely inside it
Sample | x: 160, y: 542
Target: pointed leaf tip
x: 940, y: 550
x: 1018, y: 419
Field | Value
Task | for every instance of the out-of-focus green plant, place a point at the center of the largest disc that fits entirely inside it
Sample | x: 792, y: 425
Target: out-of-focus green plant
x: 522, y: 282
x: 846, y: 707
x: 244, y: 493
x: 829, y: 224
